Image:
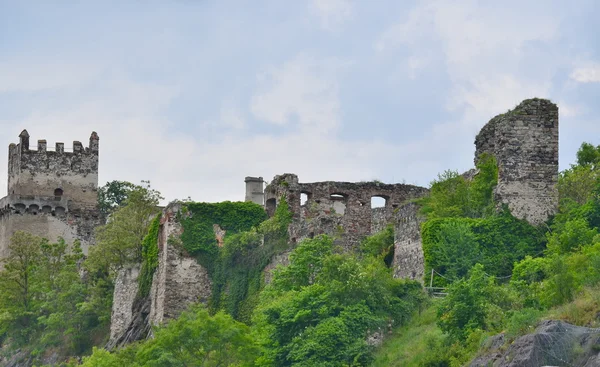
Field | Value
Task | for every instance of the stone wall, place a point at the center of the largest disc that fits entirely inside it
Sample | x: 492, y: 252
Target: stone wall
x: 48, y: 218
x: 179, y: 280
x: 341, y: 209
x: 126, y: 289
x: 55, y: 173
x: 255, y: 190
x: 51, y: 194
x: 525, y: 144
x: 409, y: 262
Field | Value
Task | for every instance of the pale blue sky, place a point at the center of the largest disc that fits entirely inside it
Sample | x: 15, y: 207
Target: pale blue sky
x: 196, y: 95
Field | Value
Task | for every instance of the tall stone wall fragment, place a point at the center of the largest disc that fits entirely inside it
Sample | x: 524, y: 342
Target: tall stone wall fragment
x: 126, y: 290
x: 179, y: 280
x: 409, y: 262
x: 525, y: 144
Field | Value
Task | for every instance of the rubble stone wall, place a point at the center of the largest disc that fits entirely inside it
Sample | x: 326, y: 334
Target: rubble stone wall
x: 525, y: 144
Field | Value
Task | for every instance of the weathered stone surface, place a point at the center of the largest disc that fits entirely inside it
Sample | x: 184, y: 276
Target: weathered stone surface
x: 409, y: 262
x: 525, y: 144
x: 282, y: 259
x: 341, y: 209
x: 51, y: 193
x: 555, y: 343
x: 126, y: 289
x: 179, y: 280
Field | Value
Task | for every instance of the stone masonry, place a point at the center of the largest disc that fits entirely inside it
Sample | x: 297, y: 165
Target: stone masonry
x: 341, y: 209
x: 51, y: 193
x: 525, y: 144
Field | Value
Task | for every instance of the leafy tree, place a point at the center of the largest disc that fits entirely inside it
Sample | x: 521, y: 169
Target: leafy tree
x: 113, y: 194
x: 465, y: 308
x: 119, y: 241
x: 18, y: 288
x: 42, y: 297
x: 193, y: 339
x: 319, y: 310
x: 588, y: 154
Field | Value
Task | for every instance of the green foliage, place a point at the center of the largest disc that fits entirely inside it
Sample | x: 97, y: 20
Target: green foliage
x: 43, y: 298
x: 380, y: 244
x: 319, y: 310
x: 234, y: 217
x: 588, y: 154
x: 113, y: 194
x: 453, y: 245
x: 193, y: 339
x: 452, y: 195
x: 250, y: 243
x: 464, y: 309
x: 119, y: 241
x: 149, y: 258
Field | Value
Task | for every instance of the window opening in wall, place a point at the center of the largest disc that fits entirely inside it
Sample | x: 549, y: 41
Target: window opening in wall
x: 338, y: 202
x: 378, y: 202
x: 58, y: 192
x: 303, y: 198
x: 271, y: 204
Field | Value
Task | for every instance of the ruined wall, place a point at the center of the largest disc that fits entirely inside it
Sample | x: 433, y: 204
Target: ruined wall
x: 341, y: 209
x: 179, y: 280
x: 409, y: 262
x: 126, y: 289
x: 525, y: 144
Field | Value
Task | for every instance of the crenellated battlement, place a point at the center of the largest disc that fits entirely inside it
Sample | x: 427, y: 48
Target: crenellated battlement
x: 38, y: 171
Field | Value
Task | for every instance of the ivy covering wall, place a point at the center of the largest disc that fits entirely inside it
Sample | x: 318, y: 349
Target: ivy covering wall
x: 250, y: 243
x: 149, y: 258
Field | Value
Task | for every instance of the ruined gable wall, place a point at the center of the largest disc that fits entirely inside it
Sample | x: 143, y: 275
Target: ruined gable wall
x: 525, y: 144
x: 338, y: 208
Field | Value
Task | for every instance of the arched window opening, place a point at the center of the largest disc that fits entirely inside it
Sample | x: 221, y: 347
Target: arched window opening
x: 58, y: 192
x: 378, y: 202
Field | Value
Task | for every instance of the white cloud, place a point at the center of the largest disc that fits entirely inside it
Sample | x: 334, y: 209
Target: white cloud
x: 483, y: 46
x: 302, y: 90
x: 589, y: 74
x: 332, y: 13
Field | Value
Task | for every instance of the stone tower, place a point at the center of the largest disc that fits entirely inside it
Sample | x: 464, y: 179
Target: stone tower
x: 525, y: 144
x: 51, y: 193
x: 255, y: 190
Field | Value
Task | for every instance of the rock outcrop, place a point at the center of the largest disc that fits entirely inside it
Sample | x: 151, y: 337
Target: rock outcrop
x: 554, y: 343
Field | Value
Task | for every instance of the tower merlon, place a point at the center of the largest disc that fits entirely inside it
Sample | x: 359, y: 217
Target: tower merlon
x: 42, y: 146
x: 94, y: 142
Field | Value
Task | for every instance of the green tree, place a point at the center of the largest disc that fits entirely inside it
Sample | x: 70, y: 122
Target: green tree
x: 18, y: 288
x: 194, y: 339
x: 320, y: 310
x: 119, y: 241
x: 464, y: 309
x: 588, y: 154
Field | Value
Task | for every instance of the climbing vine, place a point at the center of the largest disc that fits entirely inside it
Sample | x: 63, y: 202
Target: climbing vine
x: 250, y: 243
x: 149, y: 257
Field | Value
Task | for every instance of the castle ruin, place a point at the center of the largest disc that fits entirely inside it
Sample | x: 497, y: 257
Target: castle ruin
x: 51, y: 193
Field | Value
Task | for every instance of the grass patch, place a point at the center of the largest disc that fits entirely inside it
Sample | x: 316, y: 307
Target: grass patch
x: 410, y: 344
